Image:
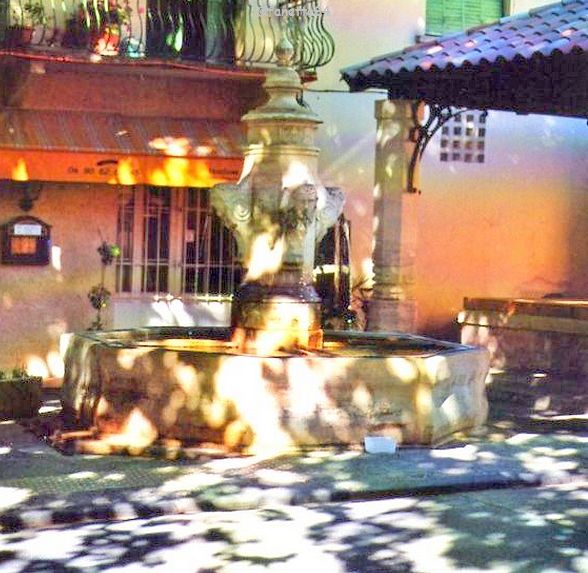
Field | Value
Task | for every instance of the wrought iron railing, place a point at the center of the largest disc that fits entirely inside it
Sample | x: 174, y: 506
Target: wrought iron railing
x: 237, y: 32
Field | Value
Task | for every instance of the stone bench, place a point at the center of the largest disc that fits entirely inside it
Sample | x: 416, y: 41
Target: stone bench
x: 530, y: 334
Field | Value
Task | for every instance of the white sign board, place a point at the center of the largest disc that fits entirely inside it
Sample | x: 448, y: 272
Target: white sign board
x: 30, y: 230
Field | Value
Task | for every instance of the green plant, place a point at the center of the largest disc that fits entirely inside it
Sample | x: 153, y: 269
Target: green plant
x: 20, y: 394
x: 93, y: 19
x: 17, y: 372
x: 119, y: 14
x: 93, y: 16
x: 108, y: 253
x: 99, y: 295
x: 33, y: 14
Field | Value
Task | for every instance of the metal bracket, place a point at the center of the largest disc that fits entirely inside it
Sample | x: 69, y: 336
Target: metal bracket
x: 422, y: 133
x: 31, y: 191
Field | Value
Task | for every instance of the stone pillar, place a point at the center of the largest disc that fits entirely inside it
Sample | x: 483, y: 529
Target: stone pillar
x: 392, y: 306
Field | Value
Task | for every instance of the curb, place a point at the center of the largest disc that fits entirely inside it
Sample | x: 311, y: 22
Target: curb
x: 249, y: 498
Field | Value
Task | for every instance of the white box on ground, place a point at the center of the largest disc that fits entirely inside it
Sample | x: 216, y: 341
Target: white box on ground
x: 379, y: 445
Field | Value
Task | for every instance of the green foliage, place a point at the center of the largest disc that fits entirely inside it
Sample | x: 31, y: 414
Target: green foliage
x: 15, y: 373
x: 108, y: 253
x: 99, y: 296
x: 34, y: 14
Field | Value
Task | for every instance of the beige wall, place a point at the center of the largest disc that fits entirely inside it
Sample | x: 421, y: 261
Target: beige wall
x: 39, y: 303
x: 514, y: 226
x: 362, y: 30
x: 518, y: 6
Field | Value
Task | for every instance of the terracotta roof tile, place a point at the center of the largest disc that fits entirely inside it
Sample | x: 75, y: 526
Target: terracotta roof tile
x: 561, y: 27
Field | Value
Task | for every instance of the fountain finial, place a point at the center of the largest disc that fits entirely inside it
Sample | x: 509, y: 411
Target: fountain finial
x: 284, y: 53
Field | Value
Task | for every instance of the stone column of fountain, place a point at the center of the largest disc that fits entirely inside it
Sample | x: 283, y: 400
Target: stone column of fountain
x: 279, y: 211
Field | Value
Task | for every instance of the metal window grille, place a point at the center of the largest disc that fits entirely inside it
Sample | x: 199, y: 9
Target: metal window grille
x: 156, y: 240
x: 210, y: 265
x: 172, y: 242
x: 463, y: 138
x: 124, y: 233
x: 332, y: 270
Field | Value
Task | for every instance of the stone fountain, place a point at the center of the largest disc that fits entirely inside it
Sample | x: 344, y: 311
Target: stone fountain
x: 274, y: 380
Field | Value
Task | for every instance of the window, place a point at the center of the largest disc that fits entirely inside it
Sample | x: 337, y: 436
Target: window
x: 332, y: 272
x: 446, y: 16
x: 463, y: 138
x: 172, y: 242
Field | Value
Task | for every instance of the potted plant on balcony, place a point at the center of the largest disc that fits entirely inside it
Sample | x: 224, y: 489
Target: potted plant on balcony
x: 20, y: 394
x: 115, y: 21
x: 98, y: 27
x: 28, y: 25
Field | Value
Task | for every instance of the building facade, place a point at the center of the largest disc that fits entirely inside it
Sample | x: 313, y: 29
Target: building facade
x: 117, y: 118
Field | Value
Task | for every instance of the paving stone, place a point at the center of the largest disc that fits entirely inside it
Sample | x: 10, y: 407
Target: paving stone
x: 76, y: 488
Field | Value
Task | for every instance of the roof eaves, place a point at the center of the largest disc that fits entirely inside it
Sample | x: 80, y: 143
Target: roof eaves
x: 397, y: 53
x: 356, y: 67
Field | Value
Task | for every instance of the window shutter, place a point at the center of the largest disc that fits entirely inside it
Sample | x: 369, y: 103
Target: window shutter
x: 446, y: 16
x: 453, y: 15
x: 434, y: 16
x: 492, y: 10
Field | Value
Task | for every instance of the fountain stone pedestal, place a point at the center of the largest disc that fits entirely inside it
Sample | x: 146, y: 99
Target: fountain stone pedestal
x: 273, y: 381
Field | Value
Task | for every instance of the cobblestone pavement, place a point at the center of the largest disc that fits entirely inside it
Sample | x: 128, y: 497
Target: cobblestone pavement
x: 528, y: 467
x: 519, y: 531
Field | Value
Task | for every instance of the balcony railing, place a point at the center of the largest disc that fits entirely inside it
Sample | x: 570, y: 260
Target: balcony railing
x: 234, y: 32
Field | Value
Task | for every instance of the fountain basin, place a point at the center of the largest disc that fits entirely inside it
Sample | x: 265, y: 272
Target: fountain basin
x: 191, y: 384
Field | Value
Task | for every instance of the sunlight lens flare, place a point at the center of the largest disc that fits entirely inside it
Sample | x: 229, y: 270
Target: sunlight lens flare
x: 266, y: 256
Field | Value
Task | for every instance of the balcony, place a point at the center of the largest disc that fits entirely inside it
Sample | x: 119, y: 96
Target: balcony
x: 240, y: 33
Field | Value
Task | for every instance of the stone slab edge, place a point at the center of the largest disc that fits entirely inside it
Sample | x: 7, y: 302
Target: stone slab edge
x: 120, y: 507
x: 495, y: 319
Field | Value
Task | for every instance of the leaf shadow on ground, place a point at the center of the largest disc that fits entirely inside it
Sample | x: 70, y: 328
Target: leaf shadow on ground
x: 489, y: 531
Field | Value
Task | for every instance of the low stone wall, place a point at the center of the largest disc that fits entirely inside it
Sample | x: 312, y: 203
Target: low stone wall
x: 546, y: 335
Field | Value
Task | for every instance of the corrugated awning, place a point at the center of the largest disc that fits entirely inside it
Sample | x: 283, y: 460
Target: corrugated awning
x: 107, y: 148
x: 536, y: 62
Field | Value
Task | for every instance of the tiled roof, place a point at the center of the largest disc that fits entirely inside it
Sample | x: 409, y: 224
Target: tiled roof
x: 560, y: 28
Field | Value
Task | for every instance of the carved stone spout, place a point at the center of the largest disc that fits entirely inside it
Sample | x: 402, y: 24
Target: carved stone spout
x: 279, y: 211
